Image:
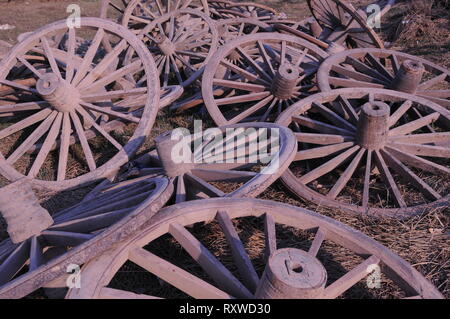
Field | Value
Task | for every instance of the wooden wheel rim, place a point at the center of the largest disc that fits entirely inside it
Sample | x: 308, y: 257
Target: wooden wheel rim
x: 153, y: 200
x: 203, y: 175
x: 167, y: 57
x: 298, y: 187
x: 348, y: 9
x: 380, y: 71
x: 99, y: 272
x: 298, y: 46
x: 145, y: 123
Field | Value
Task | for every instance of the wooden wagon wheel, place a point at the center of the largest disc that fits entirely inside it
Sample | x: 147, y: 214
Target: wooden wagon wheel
x: 53, y: 97
x: 230, y: 10
x: 256, y: 77
x: 300, y: 269
x: 342, y: 23
x: 370, y: 151
x: 41, y: 247
x: 228, y: 29
x: 378, y: 68
x: 144, y: 9
x: 182, y: 42
x: 231, y: 161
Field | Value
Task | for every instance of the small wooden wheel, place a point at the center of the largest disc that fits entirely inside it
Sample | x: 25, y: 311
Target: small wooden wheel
x: 137, y: 11
x: 182, y: 42
x: 256, y: 77
x: 53, y: 97
x: 229, y: 29
x: 301, y: 268
x: 370, y: 151
x: 75, y: 235
x: 231, y: 161
x: 230, y: 10
x: 378, y: 68
x: 342, y: 23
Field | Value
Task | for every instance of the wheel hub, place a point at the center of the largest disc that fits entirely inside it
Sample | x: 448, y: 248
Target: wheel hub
x: 165, y: 45
x: 408, y: 77
x: 373, y: 125
x: 285, y: 81
x: 292, y: 274
x: 61, y: 95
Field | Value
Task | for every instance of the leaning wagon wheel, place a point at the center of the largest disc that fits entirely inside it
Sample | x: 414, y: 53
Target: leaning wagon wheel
x: 299, y: 269
x: 378, y: 68
x: 40, y: 251
x: 182, y: 42
x: 54, y: 97
x: 342, y: 23
x: 256, y: 77
x: 370, y: 151
x: 231, y: 161
x: 228, y: 29
x: 144, y: 9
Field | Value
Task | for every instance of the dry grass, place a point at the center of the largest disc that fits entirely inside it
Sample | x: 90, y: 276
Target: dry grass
x: 422, y: 241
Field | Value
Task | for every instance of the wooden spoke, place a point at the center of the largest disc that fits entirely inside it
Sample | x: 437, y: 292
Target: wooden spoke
x: 60, y: 238
x: 27, y: 122
x: 208, y: 189
x: 107, y: 111
x: 253, y: 109
x: 32, y: 139
x: 398, y: 114
x: 83, y: 140
x: 366, y: 189
x: 46, y: 147
x: 346, y: 176
x: 322, y: 139
x: 415, y: 125
x: 320, y: 126
x: 109, y: 293
x: 328, y: 166
x: 389, y: 179
x: 119, y: 94
x: 90, y: 120
x: 88, y: 57
x: 208, y: 262
x: 317, y: 242
x: 410, y: 177
x: 324, y: 151
x: 64, y: 147
x: 240, y: 256
x: 211, y: 175
x: 51, y: 58
x: 432, y: 82
x: 240, y: 85
x: 333, y: 117
x: 351, y: 278
x: 418, y: 162
x: 422, y: 150
x: 243, y: 98
x: 175, y: 276
x: 24, y: 107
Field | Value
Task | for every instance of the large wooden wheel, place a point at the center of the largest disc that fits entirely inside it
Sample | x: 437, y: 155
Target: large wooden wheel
x: 182, y: 42
x: 56, y: 98
x: 228, y: 29
x: 378, y: 68
x: 300, y: 269
x: 231, y: 161
x: 370, y: 151
x: 230, y: 10
x: 73, y: 235
x: 341, y: 23
x: 144, y: 9
x: 256, y: 77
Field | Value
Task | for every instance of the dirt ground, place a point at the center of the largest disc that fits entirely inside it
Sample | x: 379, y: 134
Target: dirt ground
x: 422, y: 241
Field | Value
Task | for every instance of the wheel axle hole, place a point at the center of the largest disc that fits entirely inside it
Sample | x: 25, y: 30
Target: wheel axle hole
x: 376, y: 108
x: 298, y: 269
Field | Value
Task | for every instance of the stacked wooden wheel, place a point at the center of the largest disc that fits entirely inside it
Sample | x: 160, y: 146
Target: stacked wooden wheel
x: 318, y: 104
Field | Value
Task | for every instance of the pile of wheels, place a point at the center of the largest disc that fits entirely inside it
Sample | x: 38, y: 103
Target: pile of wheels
x: 358, y: 127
